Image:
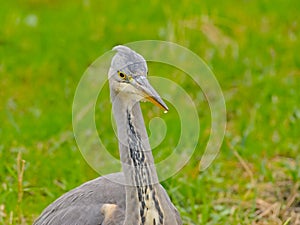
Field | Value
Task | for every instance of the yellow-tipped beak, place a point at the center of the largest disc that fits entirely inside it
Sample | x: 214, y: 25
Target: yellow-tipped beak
x: 158, y: 103
x: 148, y: 92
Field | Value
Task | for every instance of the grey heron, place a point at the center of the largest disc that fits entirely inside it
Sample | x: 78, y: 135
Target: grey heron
x: 134, y: 196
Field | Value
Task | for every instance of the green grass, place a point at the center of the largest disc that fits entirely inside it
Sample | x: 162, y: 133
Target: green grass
x: 252, y: 47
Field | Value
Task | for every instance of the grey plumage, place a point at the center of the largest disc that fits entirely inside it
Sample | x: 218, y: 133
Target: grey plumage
x: 83, y: 204
x: 131, y: 197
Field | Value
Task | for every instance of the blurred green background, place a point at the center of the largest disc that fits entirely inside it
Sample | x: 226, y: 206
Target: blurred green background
x: 253, y: 48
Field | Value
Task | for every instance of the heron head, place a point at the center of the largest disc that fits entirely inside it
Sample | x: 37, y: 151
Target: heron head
x: 128, y: 77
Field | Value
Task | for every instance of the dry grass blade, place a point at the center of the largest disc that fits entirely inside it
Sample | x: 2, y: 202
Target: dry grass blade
x: 20, y: 172
x: 244, y: 164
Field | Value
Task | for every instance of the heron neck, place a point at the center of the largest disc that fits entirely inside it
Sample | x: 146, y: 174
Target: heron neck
x: 135, y: 151
x: 144, y: 201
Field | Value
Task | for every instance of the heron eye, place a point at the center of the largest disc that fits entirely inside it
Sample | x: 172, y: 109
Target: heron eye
x: 122, y: 75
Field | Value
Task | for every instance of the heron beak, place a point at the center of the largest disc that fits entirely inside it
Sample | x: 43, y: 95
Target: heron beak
x: 148, y: 92
x: 158, y: 102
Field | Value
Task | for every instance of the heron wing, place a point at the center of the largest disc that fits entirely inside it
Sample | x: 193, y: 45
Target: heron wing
x: 84, y: 204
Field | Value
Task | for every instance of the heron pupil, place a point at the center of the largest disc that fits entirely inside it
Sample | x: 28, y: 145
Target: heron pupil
x: 122, y: 75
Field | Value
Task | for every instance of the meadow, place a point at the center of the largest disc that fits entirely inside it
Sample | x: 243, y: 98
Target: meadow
x: 251, y: 46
